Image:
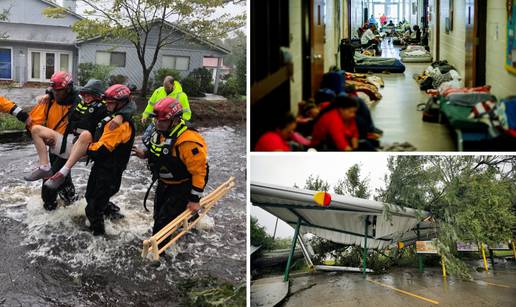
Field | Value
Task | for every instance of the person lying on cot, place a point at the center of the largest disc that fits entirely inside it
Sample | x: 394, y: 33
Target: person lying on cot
x: 335, y: 129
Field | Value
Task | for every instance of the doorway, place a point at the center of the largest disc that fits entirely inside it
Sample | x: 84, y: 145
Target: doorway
x: 42, y: 64
x: 476, y: 19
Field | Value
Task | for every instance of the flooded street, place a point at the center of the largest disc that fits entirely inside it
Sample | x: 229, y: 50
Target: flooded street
x: 404, y: 287
x: 50, y: 258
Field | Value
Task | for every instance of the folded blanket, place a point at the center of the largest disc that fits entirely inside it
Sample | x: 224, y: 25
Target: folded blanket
x: 463, y: 90
x: 415, y: 47
x: 416, y: 53
x: 369, y: 60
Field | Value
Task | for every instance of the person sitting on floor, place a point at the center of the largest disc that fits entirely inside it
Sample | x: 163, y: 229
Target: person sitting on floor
x: 277, y: 139
x: 369, y: 39
x: 415, y: 36
x: 324, y: 97
x: 335, y: 128
x: 308, y: 111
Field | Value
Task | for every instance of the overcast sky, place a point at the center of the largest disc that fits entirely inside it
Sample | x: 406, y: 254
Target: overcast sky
x: 289, y: 169
x: 230, y: 8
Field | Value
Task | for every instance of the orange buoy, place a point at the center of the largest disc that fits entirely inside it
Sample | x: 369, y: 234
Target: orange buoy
x: 322, y: 198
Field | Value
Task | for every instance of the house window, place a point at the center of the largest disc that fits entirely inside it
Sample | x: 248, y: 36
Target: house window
x: 176, y: 62
x: 6, y: 63
x: 64, y: 62
x: 116, y: 59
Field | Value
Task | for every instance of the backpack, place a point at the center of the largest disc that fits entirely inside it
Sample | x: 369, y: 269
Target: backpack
x: 430, y: 110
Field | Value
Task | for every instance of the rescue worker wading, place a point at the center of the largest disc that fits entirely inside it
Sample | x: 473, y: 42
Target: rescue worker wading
x: 52, y: 112
x: 177, y: 157
x: 7, y: 106
x: 110, y: 152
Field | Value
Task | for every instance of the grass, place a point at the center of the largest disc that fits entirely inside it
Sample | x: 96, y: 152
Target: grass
x: 210, y: 291
x: 503, y: 253
x: 9, y: 122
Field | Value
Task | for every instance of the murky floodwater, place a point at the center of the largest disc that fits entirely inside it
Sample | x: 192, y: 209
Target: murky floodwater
x: 50, y: 258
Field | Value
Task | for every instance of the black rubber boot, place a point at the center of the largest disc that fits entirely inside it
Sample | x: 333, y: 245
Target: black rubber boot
x: 98, y: 228
x: 112, y: 212
x: 68, y: 195
x: 50, y: 206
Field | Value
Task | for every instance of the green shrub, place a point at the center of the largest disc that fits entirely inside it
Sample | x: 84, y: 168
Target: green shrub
x: 89, y: 71
x: 230, y: 89
x: 117, y: 79
x: 258, y: 235
x: 9, y: 122
x: 191, y: 87
x: 203, y: 78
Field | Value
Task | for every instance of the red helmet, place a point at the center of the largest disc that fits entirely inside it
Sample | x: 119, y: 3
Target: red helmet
x: 167, y: 108
x: 61, y: 80
x: 117, y: 92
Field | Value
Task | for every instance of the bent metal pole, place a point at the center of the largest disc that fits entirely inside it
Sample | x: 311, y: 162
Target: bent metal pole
x: 364, y: 257
x: 292, y: 249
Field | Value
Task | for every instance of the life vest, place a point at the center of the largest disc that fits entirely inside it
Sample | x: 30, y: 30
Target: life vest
x: 83, y: 117
x: 121, y: 154
x: 162, y: 163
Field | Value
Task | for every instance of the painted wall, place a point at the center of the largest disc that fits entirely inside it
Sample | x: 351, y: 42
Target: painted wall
x: 21, y: 61
x: 452, y: 44
x: 332, y: 33
x: 30, y: 12
x: 357, y: 16
x: 503, y: 83
x: 132, y: 69
x: 295, y: 28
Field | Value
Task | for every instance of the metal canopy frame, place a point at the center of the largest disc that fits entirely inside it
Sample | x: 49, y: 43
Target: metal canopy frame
x: 305, y: 195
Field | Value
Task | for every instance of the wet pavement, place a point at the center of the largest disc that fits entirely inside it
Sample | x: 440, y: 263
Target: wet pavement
x: 404, y: 287
x: 50, y: 258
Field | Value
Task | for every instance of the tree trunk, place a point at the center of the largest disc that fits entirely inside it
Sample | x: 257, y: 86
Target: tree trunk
x: 145, y: 82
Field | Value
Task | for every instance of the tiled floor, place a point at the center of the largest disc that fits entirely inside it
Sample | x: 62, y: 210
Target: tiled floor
x: 396, y: 113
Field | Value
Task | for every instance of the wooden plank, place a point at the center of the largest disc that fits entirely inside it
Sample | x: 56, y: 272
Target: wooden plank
x: 206, y: 203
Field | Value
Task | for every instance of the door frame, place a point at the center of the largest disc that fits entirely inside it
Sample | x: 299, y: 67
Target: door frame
x: 476, y: 26
x: 12, y: 62
x: 306, y: 51
x: 42, y: 65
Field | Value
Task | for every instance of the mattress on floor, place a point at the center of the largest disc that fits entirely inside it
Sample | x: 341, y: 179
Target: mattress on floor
x: 458, y: 117
x: 397, y: 67
x: 408, y: 58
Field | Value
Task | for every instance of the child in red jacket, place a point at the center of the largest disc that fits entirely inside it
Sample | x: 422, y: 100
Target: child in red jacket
x: 336, y: 128
x: 277, y: 140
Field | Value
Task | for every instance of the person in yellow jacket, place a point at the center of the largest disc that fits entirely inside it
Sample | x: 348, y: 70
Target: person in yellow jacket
x: 7, y: 106
x: 177, y: 157
x: 171, y: 88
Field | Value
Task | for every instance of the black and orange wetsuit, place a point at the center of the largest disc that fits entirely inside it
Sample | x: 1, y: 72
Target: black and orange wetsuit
x: 179, y: 161
x: 110, y: 152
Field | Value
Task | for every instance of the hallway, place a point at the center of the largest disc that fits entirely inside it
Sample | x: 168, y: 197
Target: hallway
x: 301, y: 51
x: 397, y: 115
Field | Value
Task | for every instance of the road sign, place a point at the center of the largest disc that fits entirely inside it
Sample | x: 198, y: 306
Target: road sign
x: 426, y: 247
x: 467, y: 247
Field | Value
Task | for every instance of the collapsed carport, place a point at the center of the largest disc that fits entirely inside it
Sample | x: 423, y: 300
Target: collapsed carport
x: 346, y: 220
